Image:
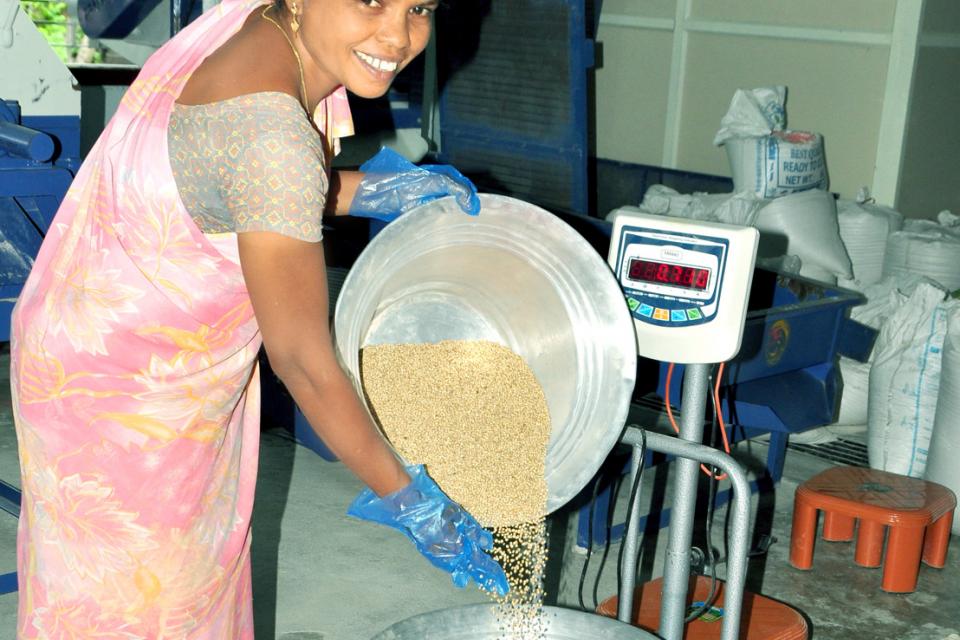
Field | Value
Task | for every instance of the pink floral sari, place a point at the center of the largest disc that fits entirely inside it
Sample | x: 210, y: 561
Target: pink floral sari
x: 136, y: 395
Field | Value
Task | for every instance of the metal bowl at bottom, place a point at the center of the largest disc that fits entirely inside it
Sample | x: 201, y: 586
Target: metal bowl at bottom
x: 480, y: 622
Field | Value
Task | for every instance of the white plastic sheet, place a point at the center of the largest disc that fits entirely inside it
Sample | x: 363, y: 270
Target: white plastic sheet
x: 854, y: 399
x: 732, y: 208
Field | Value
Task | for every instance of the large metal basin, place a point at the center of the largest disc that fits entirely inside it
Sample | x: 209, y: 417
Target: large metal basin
x: 518, y: 276
x: 479, y: 622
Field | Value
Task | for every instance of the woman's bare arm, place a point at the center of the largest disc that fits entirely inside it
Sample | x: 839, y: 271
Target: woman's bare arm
x: 287, y: 282
x: 343, y: 185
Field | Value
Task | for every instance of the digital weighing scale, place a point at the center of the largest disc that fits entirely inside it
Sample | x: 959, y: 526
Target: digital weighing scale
x: 687, y: 284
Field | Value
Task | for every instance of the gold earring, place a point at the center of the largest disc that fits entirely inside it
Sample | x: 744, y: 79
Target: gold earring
x: 295, y: 20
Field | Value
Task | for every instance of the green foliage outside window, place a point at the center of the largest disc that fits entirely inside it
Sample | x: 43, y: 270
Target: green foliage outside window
x: 50, y: 18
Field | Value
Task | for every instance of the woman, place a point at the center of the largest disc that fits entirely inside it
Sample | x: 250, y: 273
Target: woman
x: 191, y: 233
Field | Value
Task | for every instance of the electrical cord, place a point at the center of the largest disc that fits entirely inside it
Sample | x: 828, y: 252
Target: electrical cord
x: 718, y: 413
x: 586, y: 562
x: 614, y: 496
x: 612, y: 500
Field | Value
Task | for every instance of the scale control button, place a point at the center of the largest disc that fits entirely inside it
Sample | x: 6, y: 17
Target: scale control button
x: 646, y: 310
x: 678, y: 315
x: 632, y: 303
x: 661, y: 314
x: 694, y: 314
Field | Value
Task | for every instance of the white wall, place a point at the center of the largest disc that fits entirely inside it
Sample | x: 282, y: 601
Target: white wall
x: 671, y: 67
x: 32, y: 74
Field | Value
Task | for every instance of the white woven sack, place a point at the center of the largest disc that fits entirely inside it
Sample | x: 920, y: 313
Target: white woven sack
x: 943, y: 464
x: 880, y: 305
x: 925, y: 248
x: 855, y: 393
x: 905, y: 380
x: 805, y: 224
x: 864, y: 229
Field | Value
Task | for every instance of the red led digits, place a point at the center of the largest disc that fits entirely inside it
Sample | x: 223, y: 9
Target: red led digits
x: 703, y: 277
x: 648, y: 271
x: 663, y: 272
x: 676, y: 275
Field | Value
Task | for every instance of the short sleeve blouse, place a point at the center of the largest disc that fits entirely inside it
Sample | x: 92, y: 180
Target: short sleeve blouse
x: 250, y: 163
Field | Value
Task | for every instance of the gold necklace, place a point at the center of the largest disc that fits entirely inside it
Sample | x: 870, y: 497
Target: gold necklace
x: 303, y: 84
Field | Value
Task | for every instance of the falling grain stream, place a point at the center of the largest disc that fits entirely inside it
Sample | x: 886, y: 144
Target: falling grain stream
x: 474, y: 414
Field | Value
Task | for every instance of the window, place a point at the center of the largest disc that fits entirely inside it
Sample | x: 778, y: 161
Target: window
x: 63, y: 32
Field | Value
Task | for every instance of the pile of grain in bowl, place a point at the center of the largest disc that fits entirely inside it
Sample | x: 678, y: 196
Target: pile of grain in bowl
x: 475, y: 415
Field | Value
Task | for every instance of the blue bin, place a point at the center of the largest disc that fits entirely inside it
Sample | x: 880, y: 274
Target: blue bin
x: 785, y: 378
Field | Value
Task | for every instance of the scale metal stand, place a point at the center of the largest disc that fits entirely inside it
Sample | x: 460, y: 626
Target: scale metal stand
x: 687, y: 284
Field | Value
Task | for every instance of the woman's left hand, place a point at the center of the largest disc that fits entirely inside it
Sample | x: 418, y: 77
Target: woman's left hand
x: 442, y: 531
x: 393, y: 185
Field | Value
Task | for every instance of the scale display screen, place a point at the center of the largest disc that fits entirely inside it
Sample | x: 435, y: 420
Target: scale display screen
x: 674, y: 275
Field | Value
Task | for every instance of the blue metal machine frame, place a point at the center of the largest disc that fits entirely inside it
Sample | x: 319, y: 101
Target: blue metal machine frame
x: 9, y: 502
x: 518, y: 124
x: 38, y: 158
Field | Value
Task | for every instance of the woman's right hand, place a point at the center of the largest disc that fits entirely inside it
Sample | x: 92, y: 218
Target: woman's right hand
x: 392, y: 185
x: 443, y: 532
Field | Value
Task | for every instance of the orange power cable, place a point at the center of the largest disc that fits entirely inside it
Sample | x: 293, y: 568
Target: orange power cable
x: 715, y: 393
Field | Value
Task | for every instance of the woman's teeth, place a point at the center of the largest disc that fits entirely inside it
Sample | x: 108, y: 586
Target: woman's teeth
x: 381, y: 65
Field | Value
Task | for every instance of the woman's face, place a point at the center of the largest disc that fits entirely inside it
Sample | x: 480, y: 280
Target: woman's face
x: 363, y: 44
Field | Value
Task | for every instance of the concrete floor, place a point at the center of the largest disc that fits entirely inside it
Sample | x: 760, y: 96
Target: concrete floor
x: 319, y: 575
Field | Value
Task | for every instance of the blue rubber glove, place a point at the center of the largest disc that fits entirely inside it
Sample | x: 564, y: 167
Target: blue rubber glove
x: 442, y: 531
x: 393, y: 185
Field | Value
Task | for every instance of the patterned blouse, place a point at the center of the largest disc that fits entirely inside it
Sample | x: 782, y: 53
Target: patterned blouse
x: 250, y: 163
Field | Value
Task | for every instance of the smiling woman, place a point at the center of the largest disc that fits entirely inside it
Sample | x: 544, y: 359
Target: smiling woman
x: 190, y: 237
x: 360, y: 44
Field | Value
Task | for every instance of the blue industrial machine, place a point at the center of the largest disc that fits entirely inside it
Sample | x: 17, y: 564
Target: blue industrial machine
x: 518, y: 124
x: 36, y: 168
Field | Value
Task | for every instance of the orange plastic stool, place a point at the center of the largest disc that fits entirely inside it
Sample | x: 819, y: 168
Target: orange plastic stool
x: 761, y: 618
x: 918, y: 513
